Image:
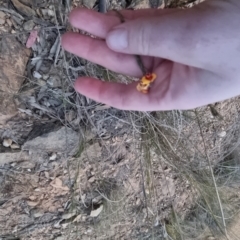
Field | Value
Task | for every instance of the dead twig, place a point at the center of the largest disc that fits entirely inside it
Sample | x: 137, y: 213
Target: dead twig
x: 11, y: 11
x: 102, y: 6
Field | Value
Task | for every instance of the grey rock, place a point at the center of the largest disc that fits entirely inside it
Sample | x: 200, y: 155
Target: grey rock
x: 29, y: 25
x: 64, y: 140
x: 2, y: 15
x: 54, y: 81
x: 2, y: 21
x: 9, y: 157
x: 23, y: 8
x: 15, y: 55
x: 89, y: 3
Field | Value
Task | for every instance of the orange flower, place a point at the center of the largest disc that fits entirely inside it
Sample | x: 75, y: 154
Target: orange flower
x: 145, y: 82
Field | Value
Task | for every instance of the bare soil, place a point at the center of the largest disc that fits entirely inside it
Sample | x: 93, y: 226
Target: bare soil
x: 71, y: 168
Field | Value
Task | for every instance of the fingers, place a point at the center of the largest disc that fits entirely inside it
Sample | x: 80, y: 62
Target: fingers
x: 181, y: 36
x: 130, y: 14
x: 97, y: 51
x: 92, y: 22
x: 126, y: 97
x: 100, y: 24
x: 117, y: 95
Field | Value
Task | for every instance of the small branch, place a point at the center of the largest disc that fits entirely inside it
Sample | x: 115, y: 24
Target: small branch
x: 102, y: 6
x: 212, y: 174
x: 12, y: 12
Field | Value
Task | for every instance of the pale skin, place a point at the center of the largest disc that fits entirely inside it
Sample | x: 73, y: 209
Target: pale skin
x: 194, y: 52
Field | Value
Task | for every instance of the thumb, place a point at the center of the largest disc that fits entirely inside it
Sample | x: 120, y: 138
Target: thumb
x: 175, y: 36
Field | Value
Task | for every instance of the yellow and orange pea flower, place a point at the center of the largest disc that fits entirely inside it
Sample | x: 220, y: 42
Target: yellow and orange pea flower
x: 145, y: 82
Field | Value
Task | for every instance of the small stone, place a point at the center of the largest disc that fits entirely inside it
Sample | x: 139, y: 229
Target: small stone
x: 45, y: 76
x: 29, y: 25
x: 89, y: 3
x: 53, y: 157
x: 138, y: 202
x: 70, y: 116
x: 54, y: 81
x: 92, y: 179
x: 44, y: 12
x: 50, y: 13
x: 37, y: 215
x: 7, y: 142
x: 97, y: 200
x: 60, y: 238
x: 37, y: 75
x: 33, y: 198
x: 9, y: 22
x: 46, y: 174
x: 41, y: 82
x: 54, y: 142
x: 2, y: 14
x: 2, y: 21
x: 96, y: 212
x: 222, y: 134
x: 28, y: 2
x: 14, y: 146
x: 23, y: 8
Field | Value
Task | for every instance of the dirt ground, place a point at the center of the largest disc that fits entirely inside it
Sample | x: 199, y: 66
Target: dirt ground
x: 71, y: 168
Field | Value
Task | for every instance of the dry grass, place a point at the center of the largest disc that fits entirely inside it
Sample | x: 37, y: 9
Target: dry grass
x: 187, y: 142
x: 182, y: 178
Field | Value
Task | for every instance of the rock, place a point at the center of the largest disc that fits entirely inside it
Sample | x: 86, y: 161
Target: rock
x: 47, y: 13
x: 92, y: 179
x: 60, y: 238
x: 54, y: 81
x: 70, y: 115
x: 9, y: 22
x: 7, y: 106
x: 53, y: 157
x: 97, y: 200
x: 222, y: 134
x: 64, y: 140
x: 13, y: 157
x: 29, y: 25
x: 7, y: 142
x: 38, y: 214
x: 23, y: 8
x: 2, y: 21
x: 157, y: 4
x: 89, y: 3
x: 33, y: 198
x: 27, y: 2
x: 57, y: 183
x: 44, y: 12
x: 15, y: 146
x: 68, y: 215
x: 37, y: 75
x: 32, y: 204
x: 14, y: 58
x: 95, y: 213
x: 41, y: 82
x: 2, y: 15
x: 51, y: 13
x: 140, y: 4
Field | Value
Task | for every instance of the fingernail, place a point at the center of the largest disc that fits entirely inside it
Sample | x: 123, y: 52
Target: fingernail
x: 118, y: 39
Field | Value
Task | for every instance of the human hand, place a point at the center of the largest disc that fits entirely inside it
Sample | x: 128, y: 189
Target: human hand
x: 194, y: 52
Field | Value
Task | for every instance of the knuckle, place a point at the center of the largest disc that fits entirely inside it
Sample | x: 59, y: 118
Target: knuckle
x: 140, y: 38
